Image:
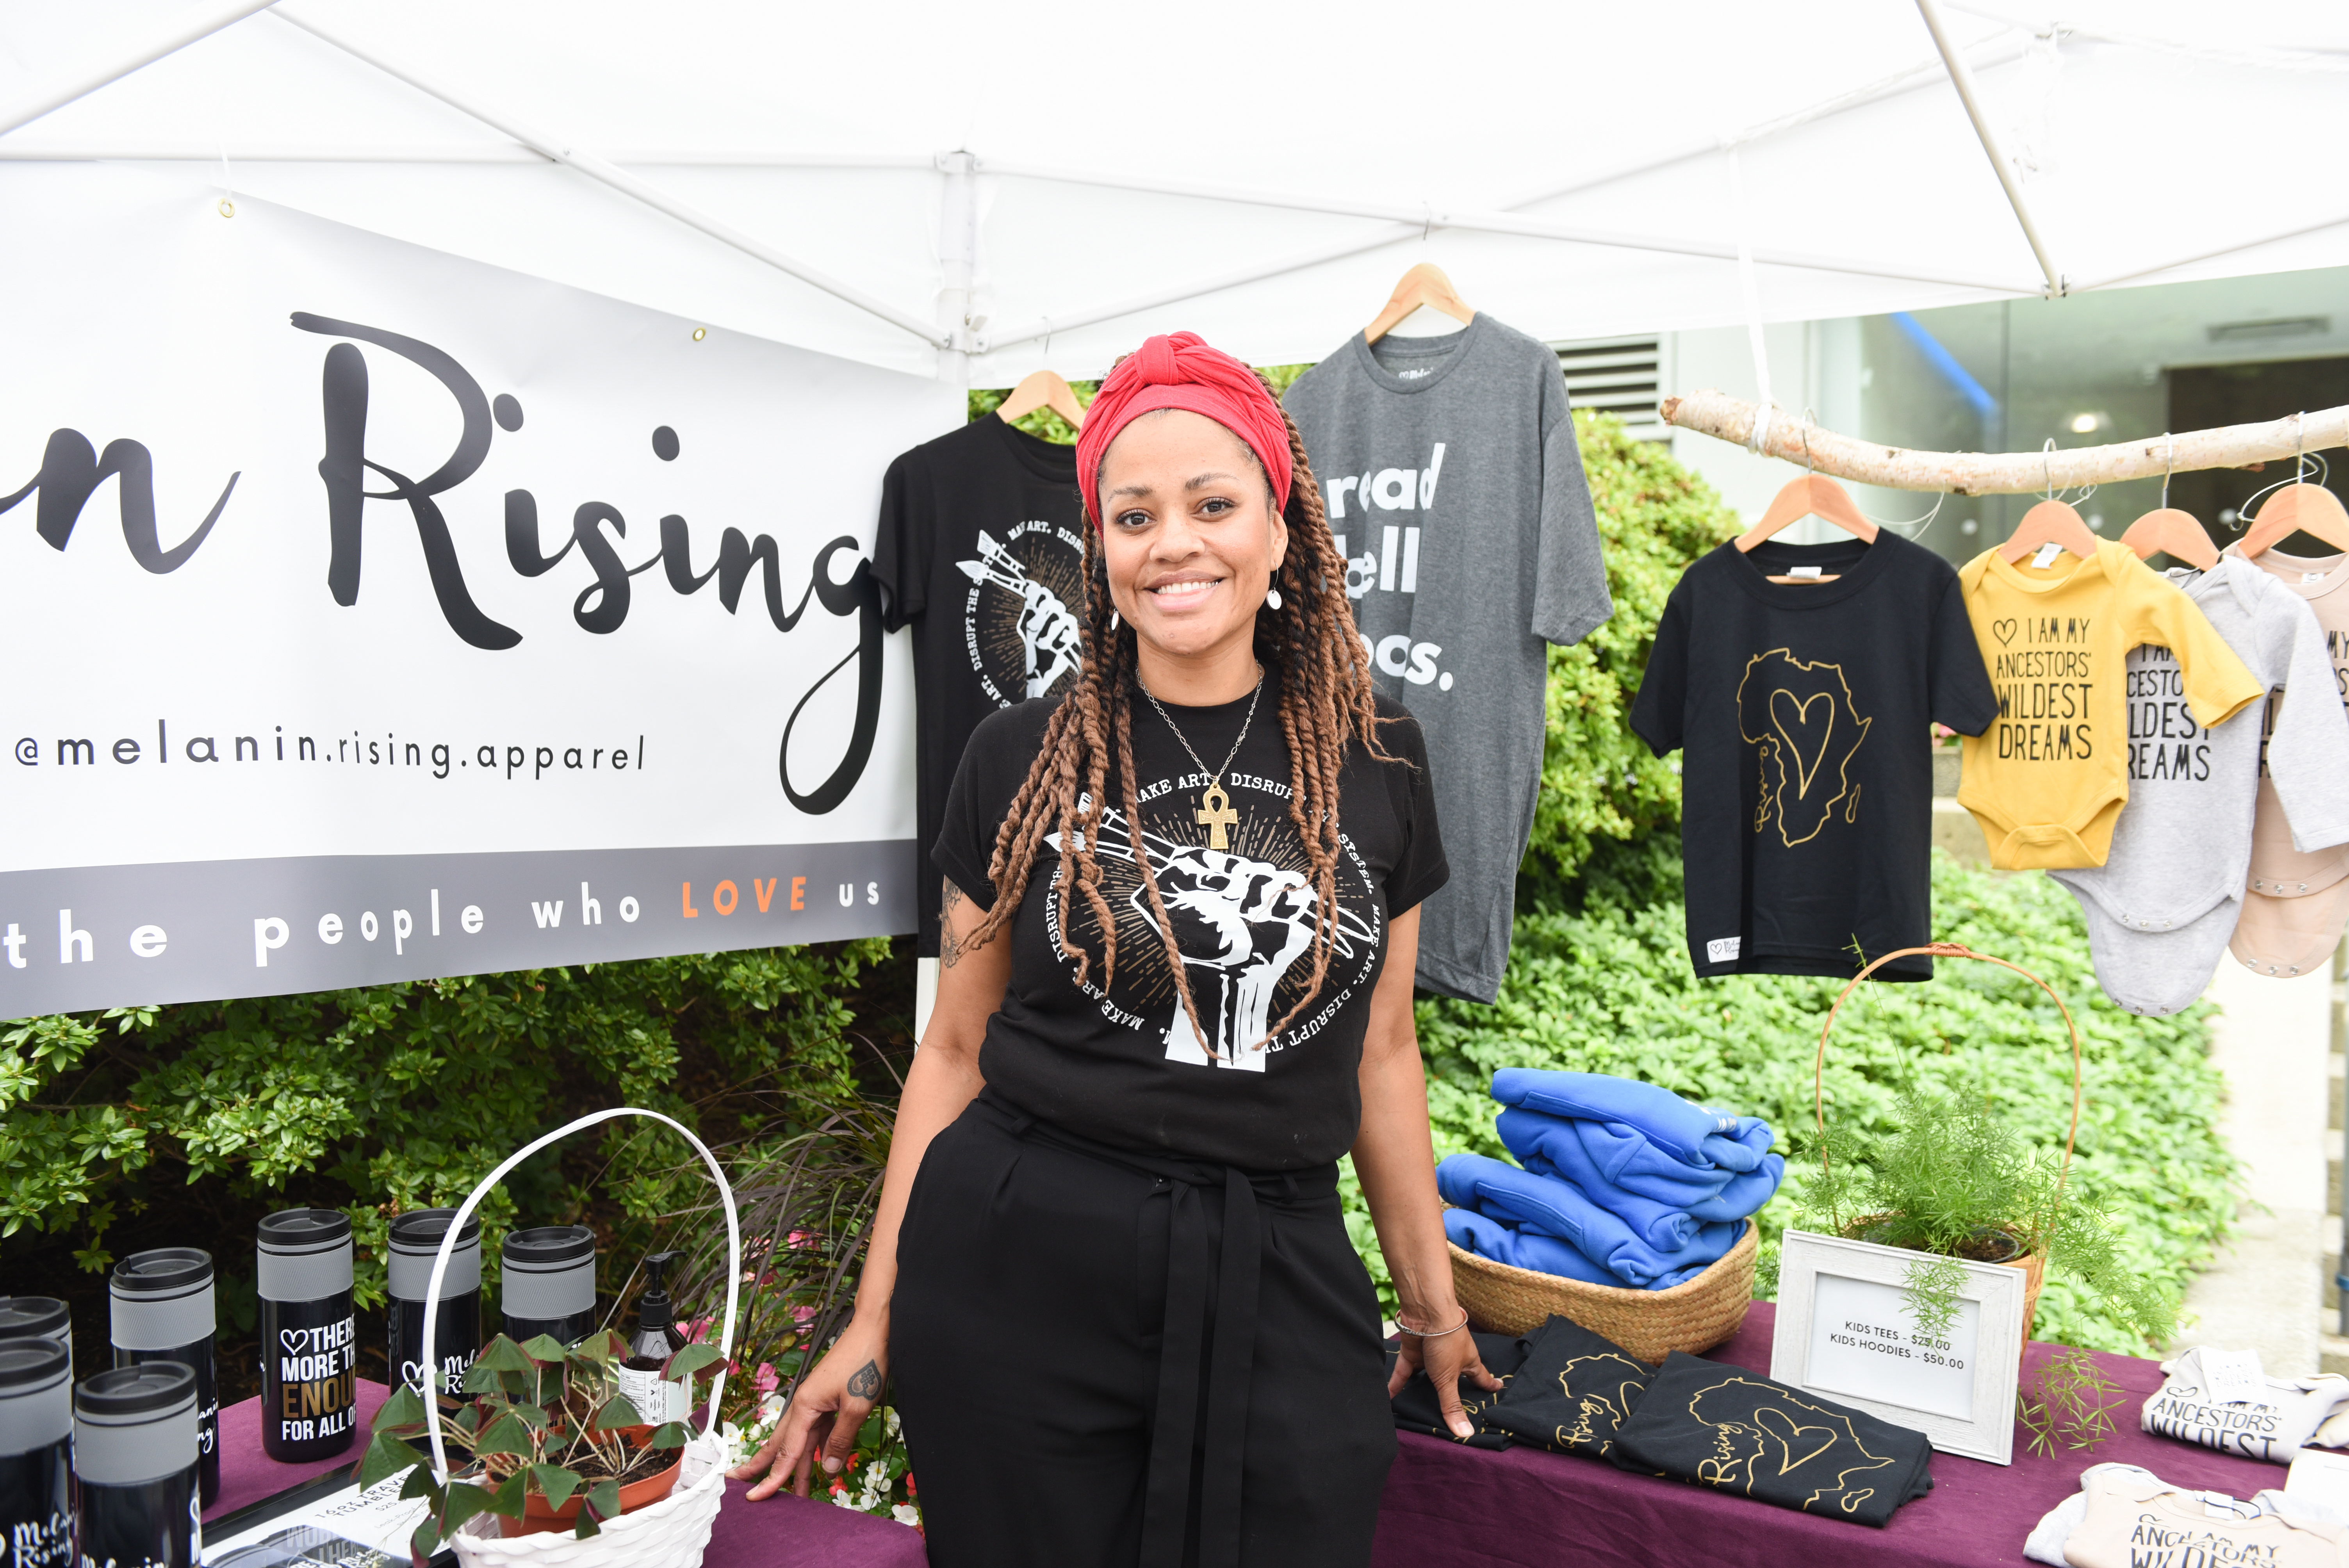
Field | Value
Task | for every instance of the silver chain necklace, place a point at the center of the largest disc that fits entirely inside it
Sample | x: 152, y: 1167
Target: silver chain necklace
x: 1215, y: 812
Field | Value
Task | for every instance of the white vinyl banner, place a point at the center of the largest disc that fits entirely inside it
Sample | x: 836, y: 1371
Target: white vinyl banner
x: 370, y: 614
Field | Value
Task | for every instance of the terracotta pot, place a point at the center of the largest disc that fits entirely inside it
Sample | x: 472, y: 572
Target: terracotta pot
x: 2032, y: 1265
x: 539, y: 1516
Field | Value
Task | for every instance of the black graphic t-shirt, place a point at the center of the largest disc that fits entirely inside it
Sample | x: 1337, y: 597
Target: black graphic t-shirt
x: 1737, y: 1431
x: 1805, y: 711
x: 981, y: 552
x: 1120, y: 1063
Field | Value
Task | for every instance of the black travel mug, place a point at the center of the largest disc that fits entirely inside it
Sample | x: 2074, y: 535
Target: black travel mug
x: 38, y: 1317
x: 550, y: 1284
x: 162, y: 1303
x: 309, y: 1339
x: 134, y: 1456
x: 36, y: 1454
x: 457, y: 1326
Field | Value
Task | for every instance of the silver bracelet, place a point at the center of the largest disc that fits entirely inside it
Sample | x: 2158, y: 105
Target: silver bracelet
x: 1402, y: 1328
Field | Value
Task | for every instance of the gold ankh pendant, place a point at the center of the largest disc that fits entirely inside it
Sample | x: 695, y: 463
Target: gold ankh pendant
x: 1216, y: 814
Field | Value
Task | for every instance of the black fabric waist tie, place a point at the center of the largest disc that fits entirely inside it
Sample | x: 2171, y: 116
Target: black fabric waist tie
x: 1228, y: 1361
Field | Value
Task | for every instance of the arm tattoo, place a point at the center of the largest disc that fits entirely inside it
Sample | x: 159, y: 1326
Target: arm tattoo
x: 950, y: 949
x: 866, y: 1381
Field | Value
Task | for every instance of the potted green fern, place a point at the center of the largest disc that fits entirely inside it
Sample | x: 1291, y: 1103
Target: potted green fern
x: 1953, y: 1182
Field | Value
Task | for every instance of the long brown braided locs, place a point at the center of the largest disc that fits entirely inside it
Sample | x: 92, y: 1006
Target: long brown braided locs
x: 1309, y: 647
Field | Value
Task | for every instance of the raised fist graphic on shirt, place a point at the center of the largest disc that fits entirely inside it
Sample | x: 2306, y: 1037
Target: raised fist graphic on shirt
x: 1048, y: 637
x: 1240, y: 924
x: 1800, y: 719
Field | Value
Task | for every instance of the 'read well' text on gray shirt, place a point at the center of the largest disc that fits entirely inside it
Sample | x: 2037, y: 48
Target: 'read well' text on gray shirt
x: 1452, y: 481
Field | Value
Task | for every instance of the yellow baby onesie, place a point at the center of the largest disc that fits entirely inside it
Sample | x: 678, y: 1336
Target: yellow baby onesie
x: 2047, y: 780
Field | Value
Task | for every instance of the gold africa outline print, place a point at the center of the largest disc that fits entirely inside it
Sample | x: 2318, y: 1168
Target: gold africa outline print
x: 1742, y: 1438
x: 1780, y: 714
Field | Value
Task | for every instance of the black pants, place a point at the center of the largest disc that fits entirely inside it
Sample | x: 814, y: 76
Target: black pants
x: 1108, y: 1359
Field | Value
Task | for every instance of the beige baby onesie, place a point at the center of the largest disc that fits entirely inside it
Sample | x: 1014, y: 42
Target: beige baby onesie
x: 2296, y: 902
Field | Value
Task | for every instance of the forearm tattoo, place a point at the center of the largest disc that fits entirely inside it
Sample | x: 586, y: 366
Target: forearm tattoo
x: 950, y: 949
x: 864, y: 1383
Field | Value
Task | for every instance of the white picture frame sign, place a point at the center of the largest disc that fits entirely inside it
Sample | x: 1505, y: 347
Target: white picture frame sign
x: 1845, y: 1330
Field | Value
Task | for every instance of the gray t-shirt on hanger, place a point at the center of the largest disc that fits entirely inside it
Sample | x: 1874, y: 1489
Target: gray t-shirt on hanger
x: 1454, y: 483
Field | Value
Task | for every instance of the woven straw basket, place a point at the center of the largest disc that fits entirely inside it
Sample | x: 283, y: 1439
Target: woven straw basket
x: 2032, y: 1266
x: 670, y: 1533
x: 1695, y: 1315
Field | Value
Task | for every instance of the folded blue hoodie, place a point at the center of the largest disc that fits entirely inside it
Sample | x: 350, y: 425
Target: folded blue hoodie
x: 1553, y: 1146
x: 1643, y: 1138
x: 1499, y: 1191
x: 1524, y: 1249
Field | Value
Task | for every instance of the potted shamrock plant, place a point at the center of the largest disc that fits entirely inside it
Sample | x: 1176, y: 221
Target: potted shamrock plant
x: 548, y: 1441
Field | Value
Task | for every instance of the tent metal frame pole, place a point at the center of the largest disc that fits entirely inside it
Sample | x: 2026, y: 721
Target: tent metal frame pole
x: 1962, y: 76
x: 46, y: 100
x: 958, y: 263
x: 2295, y: 231
x: 1429, y: 219
x: 604, y: 173
x: 1728, y: 419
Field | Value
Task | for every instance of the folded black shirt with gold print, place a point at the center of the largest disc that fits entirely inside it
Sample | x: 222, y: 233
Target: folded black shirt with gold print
x: 1572, y: 1391
x: 1803, y: 711
x: 1737, y: 1431
x: 1562, y: 1388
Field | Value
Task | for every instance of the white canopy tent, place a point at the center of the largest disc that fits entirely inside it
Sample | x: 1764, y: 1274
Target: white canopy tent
x: 961, y: 191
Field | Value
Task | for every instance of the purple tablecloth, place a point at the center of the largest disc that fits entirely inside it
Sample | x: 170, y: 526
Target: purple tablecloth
x: 782, y: 1533
x: 1446, y: 1504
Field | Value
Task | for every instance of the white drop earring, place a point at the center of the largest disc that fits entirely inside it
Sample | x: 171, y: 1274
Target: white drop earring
x: 1112, y: 621
x: 1272, y: 598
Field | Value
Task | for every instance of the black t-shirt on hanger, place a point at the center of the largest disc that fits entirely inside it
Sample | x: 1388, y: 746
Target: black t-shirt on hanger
x: 1805, y: 712
x: 1121, y: 1065
x: 981, y: 551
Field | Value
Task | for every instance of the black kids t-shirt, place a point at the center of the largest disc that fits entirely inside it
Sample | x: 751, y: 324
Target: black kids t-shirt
x: 981, y: 551
x: 1121, y: 1064
x: 1805, y: 712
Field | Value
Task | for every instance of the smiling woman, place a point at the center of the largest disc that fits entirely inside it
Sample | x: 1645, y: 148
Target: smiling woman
x: 1137, y: 1082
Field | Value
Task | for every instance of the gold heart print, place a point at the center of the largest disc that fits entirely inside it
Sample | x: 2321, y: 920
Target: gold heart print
x: 1805, y: 736
x: 1791, y: 1436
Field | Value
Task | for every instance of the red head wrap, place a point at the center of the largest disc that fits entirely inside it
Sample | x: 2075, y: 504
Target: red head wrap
x: 1180, y: 371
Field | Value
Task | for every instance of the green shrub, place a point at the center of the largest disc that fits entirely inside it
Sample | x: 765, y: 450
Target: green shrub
x: 401, y: 1097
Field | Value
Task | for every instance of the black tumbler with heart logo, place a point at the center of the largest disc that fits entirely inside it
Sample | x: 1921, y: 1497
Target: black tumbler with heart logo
x: 36, y: 1454
x: 309, y: 1338
x: 134, y: 1459
x: 457, y: 1325
x: 161, y: 1302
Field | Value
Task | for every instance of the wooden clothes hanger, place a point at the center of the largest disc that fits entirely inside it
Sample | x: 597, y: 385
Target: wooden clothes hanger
x: 1423, y: 284
x: 1042, y: 389
x: 1813, y: 495
x: 2166, y: 530
x: 2298, y: 507
x: 2052, y: 522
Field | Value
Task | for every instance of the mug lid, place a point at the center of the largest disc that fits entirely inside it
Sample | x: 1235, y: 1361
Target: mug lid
x: 33, y: 1315
x: 421, y: 1230
x: 304, y: 1231
x: 28, y: 1363
x: 162, y: 1272
x: 149, y: 1387
x: 548, y: 1246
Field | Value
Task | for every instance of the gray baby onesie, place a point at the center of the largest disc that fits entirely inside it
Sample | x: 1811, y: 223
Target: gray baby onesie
x: 2162, y: 906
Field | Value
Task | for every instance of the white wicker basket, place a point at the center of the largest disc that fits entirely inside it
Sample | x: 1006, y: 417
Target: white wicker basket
x: 670, y: 1533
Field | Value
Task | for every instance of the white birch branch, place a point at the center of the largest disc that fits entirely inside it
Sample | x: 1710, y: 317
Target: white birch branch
x: 2008, y: 473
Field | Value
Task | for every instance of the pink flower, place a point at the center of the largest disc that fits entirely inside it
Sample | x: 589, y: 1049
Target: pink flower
x: 765, y: 1380
x: 697, y: 1330
x: 801, y: 1239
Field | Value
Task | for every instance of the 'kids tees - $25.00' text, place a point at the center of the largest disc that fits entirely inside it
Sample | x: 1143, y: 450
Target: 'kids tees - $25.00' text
x: 2047, y: 780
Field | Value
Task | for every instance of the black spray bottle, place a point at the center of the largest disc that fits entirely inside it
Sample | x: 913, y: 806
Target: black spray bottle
x: 658, y: 1338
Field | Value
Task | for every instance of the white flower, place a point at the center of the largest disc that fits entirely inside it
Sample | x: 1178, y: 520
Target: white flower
x: 907, y: 1514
